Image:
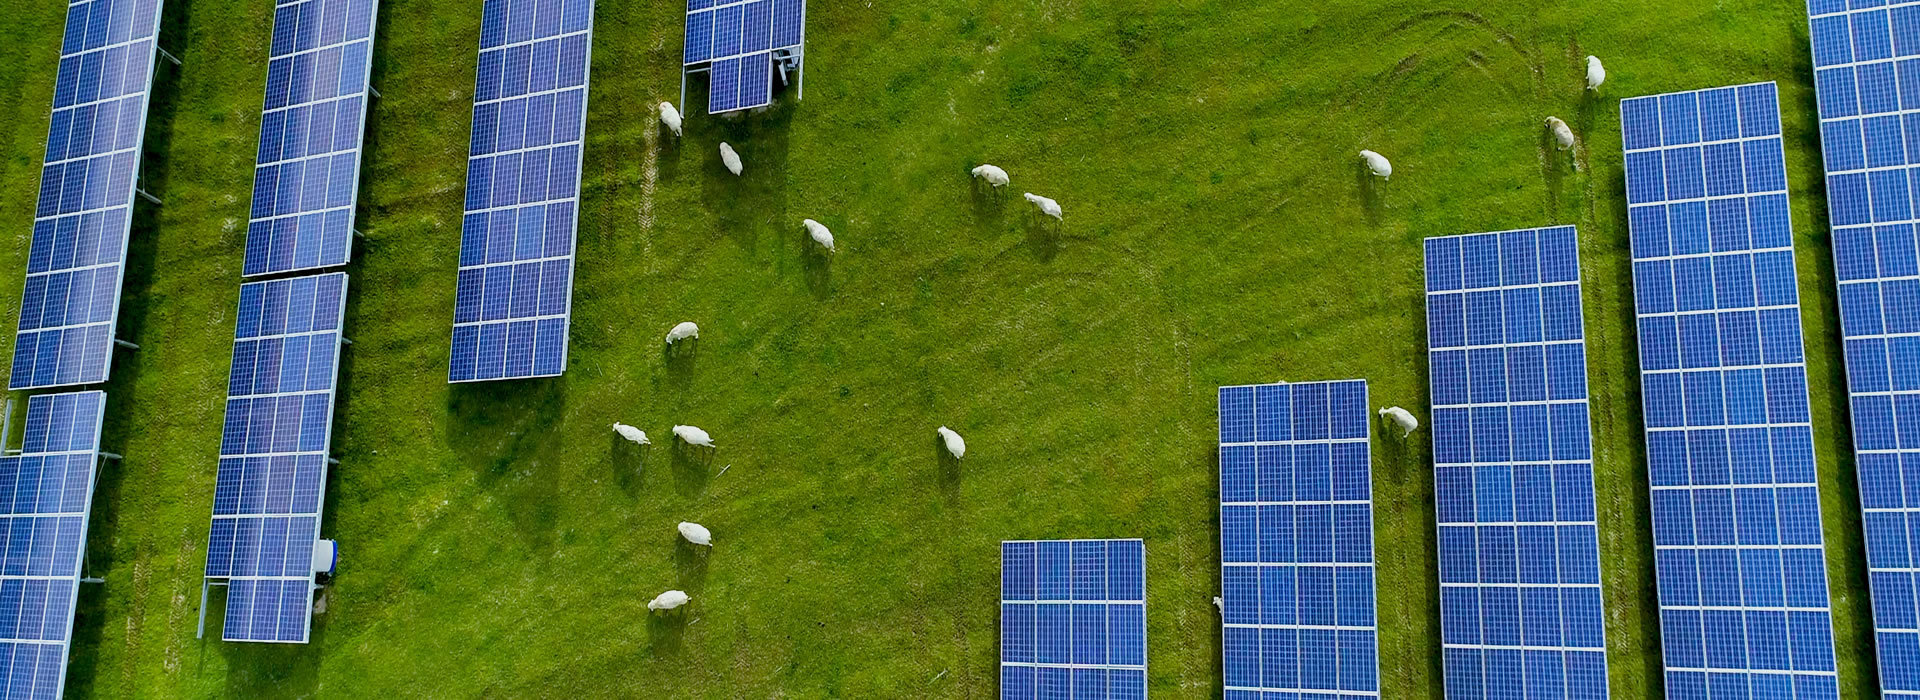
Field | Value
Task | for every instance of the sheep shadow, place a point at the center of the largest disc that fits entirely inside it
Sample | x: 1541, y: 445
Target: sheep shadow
x: 692, y: 467
x: 1550, y: 170
x: 1369, y: 188
x: 666, y: 631
x: 1043, y: 236
x: 817, y: 265
x: 989, y: 202
x: 679, y: 359
x: 629, y: 462
x: 949, y: 469
x: 690, y: 560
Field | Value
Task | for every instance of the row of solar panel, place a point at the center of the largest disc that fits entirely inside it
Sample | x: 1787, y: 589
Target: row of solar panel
x: 1732, y: 397
x: 92, y: 25
x: 1511, y: 433
x: 1304, y: 659
x: 68, y: 242
x: 743, y: 82
x: 300, y: 186
x: 1479, y: 552
x: 1891, y: 538
x: 1729, y: 516
x: 1529, y: 257
x: 262, y: 546
x: 1079, y: 570
x: 1731, y: 577
x: 524, y: 234
x: 1758, y: 222
x: 1340, y: 532
x: 313, y: 129
x: 534, y: 121
x: 1312, y: 472
x: 1727, y: 339
x: 46, y: 489
x: 84, y: 185
x: 61, y: 356
x: 1529, y: 372
x: 311, y: 24
x: 1724, y: 281
x: 509, y: 350
x: 1509, y: 493
x: 1715, y: 170
x: 517, y: 21
x: 1515, y: 315
x: 1072, y: 633
x: 329, y: 73
x: 527, y: 177
x: 52, y: 483
x: 1707, y: 456
x: 1719, y: 114
x: 278, y: 485
x: 540, y: 67
x: 1029, y: 683
x: 1512, y: 616
x: 1289, y: 412
x: 69, y: 298
x: 283, y: 365
x: 103, y: 75
x: 1530, y: 673
x: 1298, y: 595
x: 312, y: 240
x: 96, y: 128
x: 268, y: 610
x: 751, y: 27
x: 507, y: 291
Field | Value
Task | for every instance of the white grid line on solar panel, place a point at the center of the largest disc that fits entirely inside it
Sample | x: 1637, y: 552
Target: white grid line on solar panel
x: 1509, y: 584
x: 1538, y: 402
x: 1717, y: 426
x: 1735, y: 487
x: 1295, y: 502
x: 1711, y: 312
x: 1754, y: 671
x: 1715, y: 142
x: 1785, y: 646
x: 1315, y: 441
x: 1106, y: 667
x: 109, y: 47
x: 84, y: 212
x: 522, y: 96
x: 536, y: 40
x: 1527, y: 647
x: 499, y: 321
x: 1479, y: 523
x: 1289, y: 626
x: 1320, y: 693
x: 539, y: 203
x: 1715, y: 254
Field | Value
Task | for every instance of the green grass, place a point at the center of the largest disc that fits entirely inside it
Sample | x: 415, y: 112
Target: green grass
x: 498, y: 541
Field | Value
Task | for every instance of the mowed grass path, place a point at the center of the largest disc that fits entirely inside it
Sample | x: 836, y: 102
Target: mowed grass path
x: 498, y: 541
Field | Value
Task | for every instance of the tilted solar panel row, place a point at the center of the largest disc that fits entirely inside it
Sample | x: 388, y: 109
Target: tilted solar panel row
x: 46, y: 495
x: 1073, y: 619
x: 84, y: 215
x: 737, y: 42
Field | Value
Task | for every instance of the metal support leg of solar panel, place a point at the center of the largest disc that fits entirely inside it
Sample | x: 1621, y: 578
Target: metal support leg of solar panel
x: 739, y: 45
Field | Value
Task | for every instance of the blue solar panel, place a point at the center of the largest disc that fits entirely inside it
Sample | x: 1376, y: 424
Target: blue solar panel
x: 1073, y: 620
x: 515, y: 291
x: 1740, y: 562
x: 46, y: 494
x: 80, y: 226
x: 307, y: 170
x: 1866, y: 63
x: 273, y: 454
x: 737, y: 40
x: 1520, y: 604
x: 1296, y: 541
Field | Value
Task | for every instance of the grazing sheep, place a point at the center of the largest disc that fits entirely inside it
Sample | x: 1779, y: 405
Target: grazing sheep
x: 1378, y: 164
x: 1401, y: 418
x: 1596, y: 73
x: 819, y: 233
x: 956, y: 445
x: 1047, y: 206
x: 670, y: 117
x: 683, y: 331
x: 668, y: 600
x: 692, y: 435
x: 992, y: 174
x: 638, y: 436
x: 696, y: 533
x: 731, y: 159
x: 1561, y: 134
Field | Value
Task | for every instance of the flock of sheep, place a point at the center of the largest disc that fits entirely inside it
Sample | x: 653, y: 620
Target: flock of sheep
x: 994, y: 176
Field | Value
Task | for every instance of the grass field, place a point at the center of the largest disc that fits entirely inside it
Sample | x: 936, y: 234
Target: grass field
x: 497, y: 540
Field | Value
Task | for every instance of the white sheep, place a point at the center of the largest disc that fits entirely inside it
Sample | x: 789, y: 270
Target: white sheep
x: 692, y: 435
x: 1378, y: 164
x: 1402, y: 418
x: 1561, y: 134
x: 668, y: 600
x: 729, y: 158
x: 638, y: 436
x: 956, y: 445
x: 992, y: 174
x: 696, y: 533
x: 819, y: 233
x: 670, y: 117
x: 1596, y: 73
x: 1047, y: 206
x: 683, y: 331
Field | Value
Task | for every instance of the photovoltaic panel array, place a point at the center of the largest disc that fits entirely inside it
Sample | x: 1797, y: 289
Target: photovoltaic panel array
x: 1867, y: 75
x: 1520, y: 604
x: 273, y: 454
x: 737, y: 40
x: 1296, y: 541
x: 1073, y: 619
x: 307, y: 171
x: 1738, y: 550
x: 46, y: 493
x: 523, y: 191
x: 84, y: 215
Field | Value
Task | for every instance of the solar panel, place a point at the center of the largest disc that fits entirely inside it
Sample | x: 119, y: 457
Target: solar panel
x: 1520, y: 604
x: 1296, y: 541
x: 738, y: 41
x: 523, y: 191
x: 87, y: 185
x: 1860, y: 58
x: 46, y: 494
x: 1073, y: 619
x: 273, y: 454
x: 307, y: 170
x: 1739, y: 558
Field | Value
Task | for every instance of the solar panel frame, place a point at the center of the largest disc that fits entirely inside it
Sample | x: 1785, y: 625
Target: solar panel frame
x: 740, y: 76
x: 46, y: 567
x: 48, y: 350
x: 513, y: 307
x: 299, y: 236
x: 1047, y: 647
x: 1861, y: 56
x: 1717, y: 311
x: 1266, y: 493
x: 273, y: 466
x: 1521, y: 597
